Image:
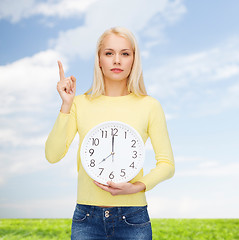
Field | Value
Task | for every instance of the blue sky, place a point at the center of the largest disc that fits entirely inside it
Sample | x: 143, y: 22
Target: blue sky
x: 190, y: 58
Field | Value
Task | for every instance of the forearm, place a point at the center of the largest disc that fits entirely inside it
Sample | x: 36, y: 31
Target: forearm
x: 160, y: 173
x: 158, y: 133
x: 55, y: 146
x: 60, y: 137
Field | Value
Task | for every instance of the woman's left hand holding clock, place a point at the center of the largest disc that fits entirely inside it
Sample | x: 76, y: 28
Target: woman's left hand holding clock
x: 122, y: 188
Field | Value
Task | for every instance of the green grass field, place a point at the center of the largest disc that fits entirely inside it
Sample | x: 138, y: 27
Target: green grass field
x: 170, y: 229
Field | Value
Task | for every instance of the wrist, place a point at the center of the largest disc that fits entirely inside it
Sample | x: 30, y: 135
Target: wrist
x: 140, y: 186
x: 65, y: 108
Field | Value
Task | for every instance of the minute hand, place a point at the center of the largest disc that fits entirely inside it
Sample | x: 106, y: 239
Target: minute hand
x: 113, y: 144
x: 113, y: 148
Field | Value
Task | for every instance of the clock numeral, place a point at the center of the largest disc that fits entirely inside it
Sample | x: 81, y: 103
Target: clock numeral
x: 135, y: 154
x: 95, y: 141
x: 125, y: 135
x: 122, y: 173
x: 132, y: 165
x: 102, y: 169
x: 91, y: 151
x: 111, y: 176
x: 92, y: 162
x: 133, y: 146
x: 104, y: 133
x: 114, y: 131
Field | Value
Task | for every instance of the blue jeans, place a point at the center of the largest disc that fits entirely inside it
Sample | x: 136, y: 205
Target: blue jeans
x: 121, y: 223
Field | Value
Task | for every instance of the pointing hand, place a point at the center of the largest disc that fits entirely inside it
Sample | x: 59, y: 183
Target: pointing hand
x: 66, y: 86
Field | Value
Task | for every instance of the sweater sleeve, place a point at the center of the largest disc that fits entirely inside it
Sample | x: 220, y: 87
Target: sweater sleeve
x: 158, y: 133
x: 61, y: 136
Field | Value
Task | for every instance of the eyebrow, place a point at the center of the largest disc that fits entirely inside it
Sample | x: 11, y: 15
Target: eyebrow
x: 126, y: 49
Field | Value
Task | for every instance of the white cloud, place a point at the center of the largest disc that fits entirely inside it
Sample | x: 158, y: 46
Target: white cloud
x: 49, y: 208
x: 196, y: 166
x: 180, y: 159
x: 16, y: 10
x: 20, y: 162
x: 20, y: 9
x: 63, y: 8
x: 212, y: 169
x: 148, y: 20
x: 193, y: 207
x: 14, y: 138
x: 231, y: 96
x: 194, y: 81
x: 27, y: 84
x: 30, y: 158
x: 179, y: 72
x: 227, y: 71
x: 27, y: 87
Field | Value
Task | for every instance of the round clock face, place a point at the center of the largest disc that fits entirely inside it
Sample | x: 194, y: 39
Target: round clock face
x: 112, y: 151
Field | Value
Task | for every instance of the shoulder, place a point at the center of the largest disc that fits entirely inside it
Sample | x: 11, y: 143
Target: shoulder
x: 151, y: 102
x: 80, y: 98
x: 154, y: 107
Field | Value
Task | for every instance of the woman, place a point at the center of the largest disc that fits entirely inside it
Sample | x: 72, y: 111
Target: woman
x: 115, y: 210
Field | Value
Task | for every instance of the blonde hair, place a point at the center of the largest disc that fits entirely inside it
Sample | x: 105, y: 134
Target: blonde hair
x: 135, y: 81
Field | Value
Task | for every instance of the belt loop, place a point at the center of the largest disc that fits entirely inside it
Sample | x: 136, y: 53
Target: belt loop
x: 119, y: 211
x: 92, y: 210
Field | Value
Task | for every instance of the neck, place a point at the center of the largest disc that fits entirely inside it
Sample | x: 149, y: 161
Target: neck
x: 116, y: 89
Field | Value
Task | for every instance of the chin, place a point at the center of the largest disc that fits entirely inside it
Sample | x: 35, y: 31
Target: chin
x: 116, y: 79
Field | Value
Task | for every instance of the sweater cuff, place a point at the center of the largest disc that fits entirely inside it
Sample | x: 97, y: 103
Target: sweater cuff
x: 64, y: 114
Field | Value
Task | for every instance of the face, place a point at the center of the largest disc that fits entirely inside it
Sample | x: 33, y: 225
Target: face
x: 116, y: 58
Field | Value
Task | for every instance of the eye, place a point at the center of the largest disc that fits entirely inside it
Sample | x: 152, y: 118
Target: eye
x: 108, y: 53
x: 126, y: 54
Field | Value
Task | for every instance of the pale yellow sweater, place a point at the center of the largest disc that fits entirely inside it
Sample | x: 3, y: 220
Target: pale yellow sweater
x: 144, y: 113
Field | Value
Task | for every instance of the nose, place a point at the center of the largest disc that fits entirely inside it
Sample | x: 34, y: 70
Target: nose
x: 117, y: 59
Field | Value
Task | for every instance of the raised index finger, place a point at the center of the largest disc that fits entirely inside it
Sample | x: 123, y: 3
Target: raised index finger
x: 61, y: 71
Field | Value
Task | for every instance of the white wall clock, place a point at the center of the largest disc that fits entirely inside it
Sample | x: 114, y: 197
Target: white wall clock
x: 112, y: 151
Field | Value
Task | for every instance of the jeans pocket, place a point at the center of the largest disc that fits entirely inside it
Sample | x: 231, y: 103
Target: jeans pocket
x: 138, y: 219
x: 79, y: 215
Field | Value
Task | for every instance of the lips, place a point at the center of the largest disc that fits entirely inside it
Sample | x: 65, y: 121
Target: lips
x: 116, y: 70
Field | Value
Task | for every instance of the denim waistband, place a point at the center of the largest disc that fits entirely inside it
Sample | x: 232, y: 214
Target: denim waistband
x: 112, y: 211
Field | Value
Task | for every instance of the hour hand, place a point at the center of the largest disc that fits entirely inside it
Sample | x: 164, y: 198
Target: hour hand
x: 105, y: 158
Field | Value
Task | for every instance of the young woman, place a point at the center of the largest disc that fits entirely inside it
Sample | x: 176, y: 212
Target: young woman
x: 115, y: 210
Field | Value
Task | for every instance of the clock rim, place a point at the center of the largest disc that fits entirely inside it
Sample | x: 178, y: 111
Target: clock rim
x: 98, y: 126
